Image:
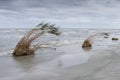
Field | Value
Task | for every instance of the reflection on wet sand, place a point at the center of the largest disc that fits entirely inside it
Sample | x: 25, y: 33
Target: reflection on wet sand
x: 24, y: 62
x: 67, y: 60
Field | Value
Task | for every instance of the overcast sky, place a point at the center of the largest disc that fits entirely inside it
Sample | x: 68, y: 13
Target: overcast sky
x: 64, y: 13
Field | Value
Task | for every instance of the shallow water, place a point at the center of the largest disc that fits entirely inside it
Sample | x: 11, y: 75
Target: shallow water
x: 66, y: 60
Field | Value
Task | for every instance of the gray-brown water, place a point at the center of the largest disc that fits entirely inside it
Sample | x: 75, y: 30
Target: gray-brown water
x: 66, y: 60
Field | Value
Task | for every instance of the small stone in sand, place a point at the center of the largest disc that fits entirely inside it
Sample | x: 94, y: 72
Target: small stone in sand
x: 115, y: 39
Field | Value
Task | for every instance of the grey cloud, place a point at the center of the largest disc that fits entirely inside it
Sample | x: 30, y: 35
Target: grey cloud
x: 13, y: 4
x: 66, y: 13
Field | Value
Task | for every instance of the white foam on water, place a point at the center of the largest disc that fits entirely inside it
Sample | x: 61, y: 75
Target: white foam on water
x: 64, y: 42
x: 4, y: 53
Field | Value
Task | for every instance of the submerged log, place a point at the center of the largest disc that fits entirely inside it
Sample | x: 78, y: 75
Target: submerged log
x: 106, y: 35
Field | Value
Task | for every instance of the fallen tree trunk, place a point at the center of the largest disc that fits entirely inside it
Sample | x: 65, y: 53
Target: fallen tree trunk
x: 23, y: 46
x: 22, y: 49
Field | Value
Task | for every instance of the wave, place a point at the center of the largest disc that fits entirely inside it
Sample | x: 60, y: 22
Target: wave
x: 52, y: 43
x: 11, y: 37
x: 64, y: 42
x: 7, y: 52
x: 99, y: 42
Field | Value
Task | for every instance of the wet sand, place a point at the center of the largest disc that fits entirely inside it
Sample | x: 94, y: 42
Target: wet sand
x: 69, y: 62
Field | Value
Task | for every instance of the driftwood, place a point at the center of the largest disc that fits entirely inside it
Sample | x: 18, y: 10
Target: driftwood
x: 23, y: 46
x: 86, y: 44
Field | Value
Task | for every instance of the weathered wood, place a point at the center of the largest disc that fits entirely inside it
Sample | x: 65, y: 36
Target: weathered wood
x: 23, y: 46
x: 86, y: 44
